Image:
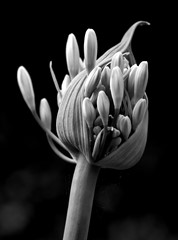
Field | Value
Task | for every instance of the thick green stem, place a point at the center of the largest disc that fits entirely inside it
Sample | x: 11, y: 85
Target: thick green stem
x: 81, y: 200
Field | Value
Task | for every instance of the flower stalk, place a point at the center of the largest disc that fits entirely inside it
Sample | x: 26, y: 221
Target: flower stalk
x: 81, y: 200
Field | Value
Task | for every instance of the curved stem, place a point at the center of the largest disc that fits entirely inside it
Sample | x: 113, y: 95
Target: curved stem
x: 81, y: 200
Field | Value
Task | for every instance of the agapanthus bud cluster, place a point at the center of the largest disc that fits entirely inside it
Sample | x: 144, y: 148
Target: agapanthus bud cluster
x: 103, y: 107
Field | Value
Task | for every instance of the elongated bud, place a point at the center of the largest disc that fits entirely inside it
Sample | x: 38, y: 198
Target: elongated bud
x: 117, y: 87
x: 81, y: 65
x: 124, y: 124
x: 90, y: 49
x: 141, y: 79
x: 103, y: 106
x: 89, y: 112
x: 45, y: 113
x: 131, y: 80
x: 138, y: 112
x: 92, y: 81
x: 72, y: 55
x: 26, y: 87
x: 105, y: 76
x: 65, y: 84
x: 117, y: 60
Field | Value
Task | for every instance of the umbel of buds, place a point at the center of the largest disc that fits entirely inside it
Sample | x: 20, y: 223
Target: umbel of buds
x: 97, y: 99
x: 102, y: 118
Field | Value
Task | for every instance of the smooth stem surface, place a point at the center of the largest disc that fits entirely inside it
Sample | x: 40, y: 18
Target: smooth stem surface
x: 81, y: 200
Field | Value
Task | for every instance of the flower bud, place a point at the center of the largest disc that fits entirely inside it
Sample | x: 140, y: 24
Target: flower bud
x: 116, y: 133
x: 90, y: 49
x: 26, y: 87
x: 131, y: 80
x: 45, y: 113
x: 141, y: 79
x: 96, y: 130
x: 89, y: 112
x: 117, y: 87
x: 98, y: 121
x: 115, y: 142
x: 92, y: 81
x: 72, y: 55
x: 138, y: 112
x: 105, y: 76
x: 117, y: 60
x: 124, y: 124
x: 103, y: 106
x: 65, y: 84
x: 94, y: 95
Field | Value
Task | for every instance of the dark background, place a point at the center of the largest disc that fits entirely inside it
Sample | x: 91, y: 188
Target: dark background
x: 139, y: 203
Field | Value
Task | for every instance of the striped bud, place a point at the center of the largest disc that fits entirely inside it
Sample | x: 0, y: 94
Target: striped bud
x: 124, y: 124
x: 72, y: 55
x: 89, y: 112
x: 138, y: 112
x: 90, y: 49
x: 141, y: 79
x: 103, y: 106
x: 26, y: 87
x: 45, y: 113
x: 92, y: 81
x: 65, y: 84
x: 117, y: 60
x: 117, y: 87
x: 131, y: 80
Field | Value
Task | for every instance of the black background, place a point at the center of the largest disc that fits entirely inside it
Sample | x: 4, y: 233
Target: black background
x: 139, y: 203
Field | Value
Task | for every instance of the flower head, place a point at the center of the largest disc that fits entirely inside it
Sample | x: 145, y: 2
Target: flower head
x: 103, y: 107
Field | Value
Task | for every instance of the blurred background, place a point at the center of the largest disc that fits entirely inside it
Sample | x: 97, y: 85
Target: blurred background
x: 139, y: 203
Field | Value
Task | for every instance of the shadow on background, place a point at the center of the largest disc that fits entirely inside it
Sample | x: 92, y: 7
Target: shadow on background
x: 139, y: 203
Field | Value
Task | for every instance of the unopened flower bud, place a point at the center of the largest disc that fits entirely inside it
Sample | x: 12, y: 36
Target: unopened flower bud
x: 105, y: 76
x: 90, y: 49
x: 124, y: 124
x: 96, y: 130
x: 94, y: 95
x: 72, y: 55
x: 138, y: 112
x: 131, y: 80
x: 117, y: 87
x: 103, y: 106
x: 141, y: 79
x: 98, y: 121
x: 89, y: 112
x: 118, y: 60
x: 116, y: 133
x: 26, y: 88
x: 92, y: 81
x: 45, y: 113
x: 65, y: 84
